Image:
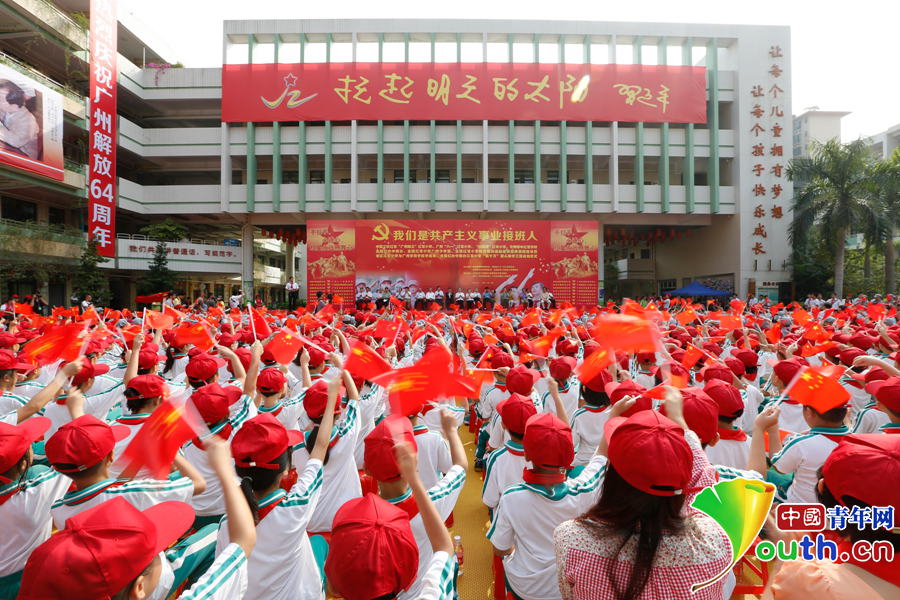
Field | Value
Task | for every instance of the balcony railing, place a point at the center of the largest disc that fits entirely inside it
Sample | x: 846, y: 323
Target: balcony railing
x: 24, y: 69
x: 43, y: 231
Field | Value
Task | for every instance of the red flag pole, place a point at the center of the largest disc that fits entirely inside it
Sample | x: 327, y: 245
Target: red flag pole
x: 252, y: 325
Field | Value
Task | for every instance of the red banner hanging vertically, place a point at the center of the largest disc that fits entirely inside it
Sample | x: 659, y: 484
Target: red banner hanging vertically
x: 103, y: 127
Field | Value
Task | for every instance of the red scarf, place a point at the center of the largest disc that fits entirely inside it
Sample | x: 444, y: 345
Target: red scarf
x: 529, y: 476
x: 726, y: 433
x: 502, y: 388
x: 409, y: 506
x: 265, y: 510
x: 224, y: 433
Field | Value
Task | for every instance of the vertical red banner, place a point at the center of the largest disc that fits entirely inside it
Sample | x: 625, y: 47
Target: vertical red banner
x: 330, y: 259
x: 102, y: 127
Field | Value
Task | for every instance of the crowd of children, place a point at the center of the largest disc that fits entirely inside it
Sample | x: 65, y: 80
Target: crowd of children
x: 313, y: 474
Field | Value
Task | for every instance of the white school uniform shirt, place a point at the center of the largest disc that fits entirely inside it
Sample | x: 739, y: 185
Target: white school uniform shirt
x: 104, y: 384
x: 288, y: 411
x: 25, y: 516
x: 444, y: 496
x: 10, y: 418
x: 753, y: 399
x: 870, y: 419
x: 439, y: 582
x: 803, y: 455
x: 587, y: 431
x: 492, y: 396
x: 340, y: 479
x: 371, y: 406
x: 526, y: 517
x: 503, y: 469
x: 97, y: 405
x: 859, y: 397
x: 432, y: 419
x: 212, y: 502
x: 140, y: 493
x: 569, y: 396
x: 730, y: 453
x: 226, y: 579
x: 498, y: 433
x: 791, y: 418
x: 27, y: 389
x: 434, y: 455
x: 282, y: 565
x: 645, y: 378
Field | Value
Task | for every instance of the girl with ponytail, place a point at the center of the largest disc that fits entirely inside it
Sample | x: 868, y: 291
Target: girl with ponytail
x: 283, y: 565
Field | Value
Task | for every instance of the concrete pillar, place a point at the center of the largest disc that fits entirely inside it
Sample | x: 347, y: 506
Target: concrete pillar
x: 246, y: 261
x: 300, y: 274
x: 289, y: 262
x: 601, y: 270
x: 225, y: 170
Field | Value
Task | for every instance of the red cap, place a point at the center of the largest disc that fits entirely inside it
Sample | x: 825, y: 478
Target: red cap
x: 646, y: 356
x: 701, y: 413
x: 736, y: 365
x: 548, y: 442
x: 203, y: 366
x: 501, y: 359
x: 270, y: 381
x: 746, y: 356
x: 862, y: 341
x: 848, y: 355
x: 82, y: 443
x: 632, y: 443
x: 315, y: 398
x: 102, y: 550
x: 590, y: 347
x: 8, y: 340
x: 865, y: 467
x: 8, y: 361
x: 261, y: 440
x: 726, y: 396
x: 147, y: 359
x: 887, y: 392
x: 515, y: 412
x: 521, y: 379
x: 15, y: 440
x: 476, y: 345
x: 227, y: 339
x: 562, y: 367
x: 712, y: 348
x: 146, y: 386
x: 716, y: 370
x: 379, y: 447
x: 373, y: 552
x: 316, y: 356
x: 786, y: 370
x: 629, y: 387
x: 599, y: 382
x: 212, y: 401
x: 89, y: 371
x: 566, y: 347
x: 244, y: 355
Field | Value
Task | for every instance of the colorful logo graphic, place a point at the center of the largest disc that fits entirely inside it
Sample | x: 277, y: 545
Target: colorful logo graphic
x: 740, y: 507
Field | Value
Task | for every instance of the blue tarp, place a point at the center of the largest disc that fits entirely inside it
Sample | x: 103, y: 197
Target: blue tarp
x: 698, y: 289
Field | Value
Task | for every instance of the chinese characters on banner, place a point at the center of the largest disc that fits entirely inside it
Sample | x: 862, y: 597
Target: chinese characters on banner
x: 102, y: 127
x: 465, y: 91
x: 530, y: 256
x: 769, y: 162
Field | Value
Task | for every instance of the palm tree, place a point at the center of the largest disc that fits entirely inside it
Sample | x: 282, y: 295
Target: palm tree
x: 835, y: 194
x: 886, y: 192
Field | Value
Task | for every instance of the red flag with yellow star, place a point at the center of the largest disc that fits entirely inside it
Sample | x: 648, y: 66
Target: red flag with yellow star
x: 158, y: 440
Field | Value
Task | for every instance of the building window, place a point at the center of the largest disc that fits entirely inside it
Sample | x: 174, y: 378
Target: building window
x: 552, y: 177
x: 524, y: 176
x: 442, y: 175
x: 56, y: 216
x: 18, y: 210
x: 667, y: 285
x: 317, y: 176
x: 645, y: 252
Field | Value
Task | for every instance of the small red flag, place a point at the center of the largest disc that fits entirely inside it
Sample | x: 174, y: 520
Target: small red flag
x: 819, y: 388
x: 541, y: 346
x: 816, y: 333
x: 730, y: 322
x: 810, y: 350
x: 195, y: 334
x: 801, y: 316
x: 22, y: 309
x: 60, y: 342
x: 386, y: 329
x: 594, y: 363
x: 686, y: 316
x: 158, y: 320
x: 364, y: 362
x: 90, y: 315
x: 260, y: 326
x: 626, y: 333
x: 692, y: 354
x: 774, y: 334
x: 175, y: 314
x: 155, y: 445
x: 151, y: 298
x: 285, y: 346
x: 430, y: 378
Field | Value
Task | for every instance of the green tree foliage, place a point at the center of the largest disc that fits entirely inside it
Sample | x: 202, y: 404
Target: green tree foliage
x: 160, y: 278
x: 90, y: 278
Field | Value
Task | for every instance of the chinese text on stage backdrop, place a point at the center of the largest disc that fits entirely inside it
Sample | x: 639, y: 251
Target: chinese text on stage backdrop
x: 465, y: 91
x: 558, y: 255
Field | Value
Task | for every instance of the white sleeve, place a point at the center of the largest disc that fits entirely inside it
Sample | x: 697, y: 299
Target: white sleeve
x: 438, y: 582
x: 446, y: 491
x: 226, y: 579
x: 586, y: 487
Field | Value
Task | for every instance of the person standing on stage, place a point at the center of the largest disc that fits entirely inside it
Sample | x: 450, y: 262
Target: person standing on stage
x: 293, y: 293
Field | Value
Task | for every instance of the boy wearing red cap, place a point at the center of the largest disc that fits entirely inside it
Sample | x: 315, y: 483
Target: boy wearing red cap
x: 272, y: 389
x: 486, y: 407
x: 645, y: 369
x: 17, y: 411
x: 27, y: 492
x: 83, y: 451
x: 802, y: 453
x: 374, y: 552
x: 887, y: 399
x: 733, y: 447
x: 505, y: 465
x: 524, y: 520
x: 561, y: 370
x: 791, y: 413
x: 382, y: 466
x: 114, y: 550
x: 340, y: 476
x: 98, y: 405
x: 588, y: 421
x: 282, y: 565
x: 10, y: 367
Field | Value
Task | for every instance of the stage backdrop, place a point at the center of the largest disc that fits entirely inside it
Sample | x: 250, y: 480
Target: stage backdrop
x: 464, y: 91
x: 32, y: 140
x: 559, y: 255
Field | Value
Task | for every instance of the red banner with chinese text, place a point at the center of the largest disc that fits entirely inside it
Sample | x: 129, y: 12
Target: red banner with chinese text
x: 464, y: 91
x: 103, y: 127
x: 517, y: 257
